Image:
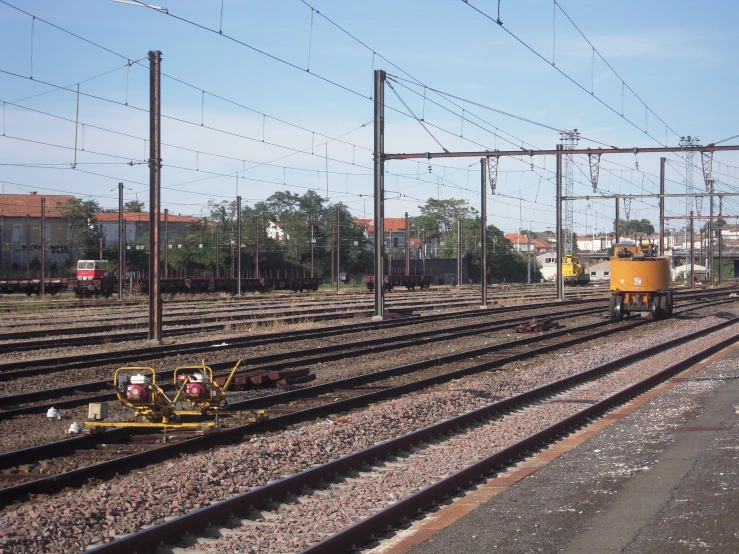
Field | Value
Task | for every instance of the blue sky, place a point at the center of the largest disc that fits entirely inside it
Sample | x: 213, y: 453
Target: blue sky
x: 676, y: 55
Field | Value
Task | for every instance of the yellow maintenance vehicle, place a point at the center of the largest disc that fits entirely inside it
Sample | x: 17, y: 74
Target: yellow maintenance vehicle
x: 573, y: 271
x: 640, y: 280
x: 197, y: 396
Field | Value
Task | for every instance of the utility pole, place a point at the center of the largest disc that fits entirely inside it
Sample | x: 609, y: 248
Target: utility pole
x: 459, y: 252
x: 661, y: 206
x: 232, y: 274
x: 338, y: 249
x: 28, y: 247
x: 333, y: 232
x: 238, y: 245
x: 720, y: 240
x: 407, y: 245
x: 256, y: 249
x: 312, y: 242
x: 560, y: 280
x: 42, y: 284
x: 528, y: 260
x: 155, y: 158
x: 483, y: 234
x: 218, y: 250
x: 710, y: 233
x: 166, y: 243
x: 569, y: 140
x: 100, y: 241
x: 379, y: 170
x: 121, y: 243
x: 692, y: 252
x: 617, y: 224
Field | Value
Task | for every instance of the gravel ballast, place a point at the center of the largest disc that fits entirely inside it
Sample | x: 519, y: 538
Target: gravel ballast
x: 71, y: 521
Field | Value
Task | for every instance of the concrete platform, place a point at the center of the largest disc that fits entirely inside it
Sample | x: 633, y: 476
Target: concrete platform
x: 658, y: 475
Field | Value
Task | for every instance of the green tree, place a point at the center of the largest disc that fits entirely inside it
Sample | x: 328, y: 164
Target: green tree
x: 642, y: 227
x: 133, y: 206
x: 84, y: 231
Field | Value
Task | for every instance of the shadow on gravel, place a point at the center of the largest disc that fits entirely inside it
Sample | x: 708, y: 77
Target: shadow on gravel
x: 724, y: 315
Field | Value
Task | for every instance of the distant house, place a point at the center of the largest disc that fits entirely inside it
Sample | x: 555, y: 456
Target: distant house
x: 521, y: 243
x: 276, y: 231
x: 20, y: 229
x: 394, y: 235
x: 137, y: 225
x: 548, y: 264
x: 684, y: 271
x: 599, y: 272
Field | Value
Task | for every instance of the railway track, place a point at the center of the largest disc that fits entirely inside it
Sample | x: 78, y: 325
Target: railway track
x: 240, y: 521
x: 275, y: 362
x: 201, y: 318
x: 302, y: 405
x: 26, y: 368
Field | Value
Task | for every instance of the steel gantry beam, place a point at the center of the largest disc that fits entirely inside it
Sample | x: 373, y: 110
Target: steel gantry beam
x: 489, y: 163
x: 557, y: 152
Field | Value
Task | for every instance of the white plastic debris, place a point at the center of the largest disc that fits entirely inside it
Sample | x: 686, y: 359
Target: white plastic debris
x: 53, y: 413
x: 219, y: 345
x: 74, y: 429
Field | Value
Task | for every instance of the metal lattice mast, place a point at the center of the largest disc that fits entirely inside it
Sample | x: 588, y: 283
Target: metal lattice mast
x: 569, y: 140
x: 689, y: 188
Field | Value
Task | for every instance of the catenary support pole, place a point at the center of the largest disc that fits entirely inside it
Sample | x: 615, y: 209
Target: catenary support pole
x: 312, y: 241
x: 166, y: 243
x: 338, y: 249
x: 256, y: 244
x: 692, y: 252
x: 483, y: 234
x: 459, y: 252
x: 121, y: 243
x: 218, y: 250
x: 28, y: 246
x: 379, y: 170
x: 710, y: 236
x: 238, y: 245
x: 407, y: 245
x: 333, y: 250
x: 560, y: 250
x: 42, y: 283
x: 155, y: 160
x: 720, y: 241
x: 661, y: 206
x: 617, y: 222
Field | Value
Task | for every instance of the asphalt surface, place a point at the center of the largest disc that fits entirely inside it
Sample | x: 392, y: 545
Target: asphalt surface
x: 664, y: 478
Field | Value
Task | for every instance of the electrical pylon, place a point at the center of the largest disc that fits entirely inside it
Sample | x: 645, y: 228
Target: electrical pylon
x: 569, y: 139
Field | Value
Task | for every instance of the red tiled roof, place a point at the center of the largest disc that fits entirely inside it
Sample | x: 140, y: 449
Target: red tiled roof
x: 142, y: 217
x: 536, y: 243
x: 391, y: 224
x: 20, y: 205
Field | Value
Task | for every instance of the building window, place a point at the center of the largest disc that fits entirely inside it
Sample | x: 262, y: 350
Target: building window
x: 395, y: 242
x: 17, y: 234
x: 606, y: 273
x: 593, y: 273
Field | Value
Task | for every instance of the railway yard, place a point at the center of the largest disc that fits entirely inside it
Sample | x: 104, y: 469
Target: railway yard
x: 370, y: 427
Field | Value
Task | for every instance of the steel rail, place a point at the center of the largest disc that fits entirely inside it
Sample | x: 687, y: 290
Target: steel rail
x: 343, y: 309
x: 126, y: 463
x: 121, y: 356
x: 170, y: 532
x: 54, y: 482
x: 266, y: 362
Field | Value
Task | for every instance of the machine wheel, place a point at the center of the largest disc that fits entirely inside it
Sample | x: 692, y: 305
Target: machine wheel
x: 660, y: 307
x: 615, y: 308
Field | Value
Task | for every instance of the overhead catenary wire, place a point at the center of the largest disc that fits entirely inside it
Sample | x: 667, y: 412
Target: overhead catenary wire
x: 568, y: 77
